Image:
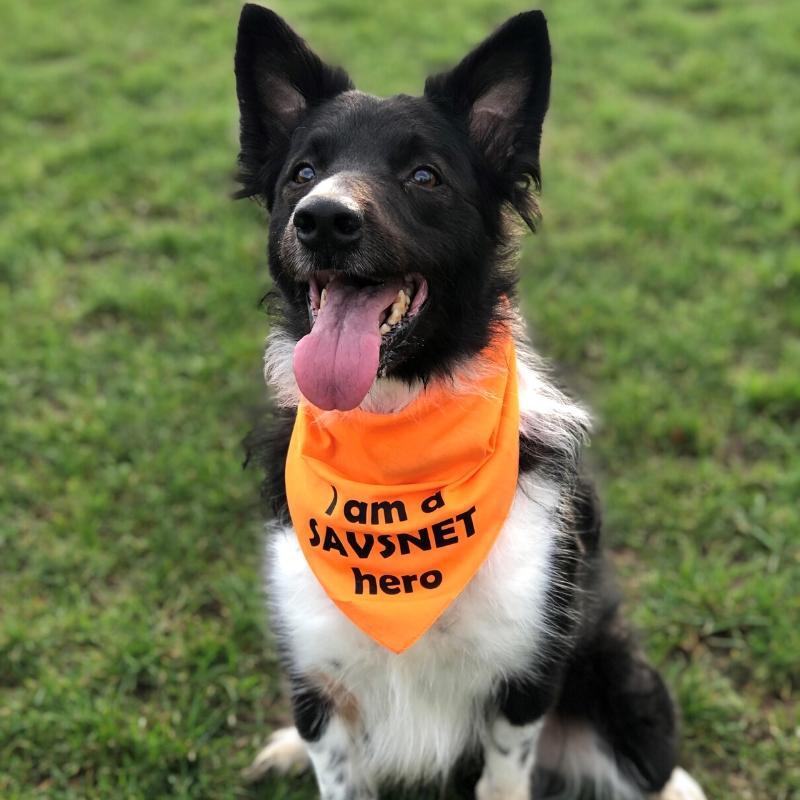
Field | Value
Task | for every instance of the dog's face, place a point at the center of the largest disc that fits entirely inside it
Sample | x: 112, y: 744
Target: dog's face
x: 388, y: 227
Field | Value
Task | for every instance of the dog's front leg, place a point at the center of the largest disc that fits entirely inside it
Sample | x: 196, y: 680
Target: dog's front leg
x: 337, y: 764
x: 512, y: 738
x: 327, y: 721
x: 509, y: 754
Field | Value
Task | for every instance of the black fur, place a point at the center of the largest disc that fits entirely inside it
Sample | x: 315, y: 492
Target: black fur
x: 273, y: 67
x: 479, y: 127
x: 311, y: 709
x: 520, y: 47
x: 593, y: 671
x: 609, y: 683
x: 456, y: 235
x: 266, y: 447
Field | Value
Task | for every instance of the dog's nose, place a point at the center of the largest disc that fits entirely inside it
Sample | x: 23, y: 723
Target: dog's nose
x: 323, y: 222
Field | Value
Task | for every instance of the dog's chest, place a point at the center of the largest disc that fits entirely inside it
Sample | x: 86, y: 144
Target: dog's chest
x: 421, y: 708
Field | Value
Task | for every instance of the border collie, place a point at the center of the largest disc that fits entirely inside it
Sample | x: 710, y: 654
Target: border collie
x: 530, y: 681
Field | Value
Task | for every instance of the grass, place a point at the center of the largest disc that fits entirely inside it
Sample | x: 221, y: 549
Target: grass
x: 665, y: 281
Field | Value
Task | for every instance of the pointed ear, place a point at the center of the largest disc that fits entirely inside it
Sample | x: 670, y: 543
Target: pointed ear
x: 500, y: 92
x: 278, y: 79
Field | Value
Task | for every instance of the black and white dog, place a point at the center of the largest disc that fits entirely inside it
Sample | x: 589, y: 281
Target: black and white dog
x: 530, y: 674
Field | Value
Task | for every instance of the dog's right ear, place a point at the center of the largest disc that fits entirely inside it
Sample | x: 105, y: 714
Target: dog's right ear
x: 278, y: 78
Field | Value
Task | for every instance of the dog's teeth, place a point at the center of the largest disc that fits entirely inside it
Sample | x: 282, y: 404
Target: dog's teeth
x: 395, y: 316
x: 399, y: 307
x: 323, y: 297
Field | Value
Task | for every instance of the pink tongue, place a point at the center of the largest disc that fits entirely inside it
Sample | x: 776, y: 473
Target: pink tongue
x: 337, y: 362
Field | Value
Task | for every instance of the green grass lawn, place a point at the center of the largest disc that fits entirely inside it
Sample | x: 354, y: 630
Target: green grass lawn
x: 665, y: 281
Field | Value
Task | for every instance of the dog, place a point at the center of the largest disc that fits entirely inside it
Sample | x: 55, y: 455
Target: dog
x: 392, y: 234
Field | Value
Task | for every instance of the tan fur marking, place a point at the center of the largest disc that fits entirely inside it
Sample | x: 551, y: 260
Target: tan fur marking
x: 343, y: 701
x: 360, y: 192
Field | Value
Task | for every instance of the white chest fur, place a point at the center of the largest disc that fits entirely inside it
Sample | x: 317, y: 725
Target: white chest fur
x: 422, y: 707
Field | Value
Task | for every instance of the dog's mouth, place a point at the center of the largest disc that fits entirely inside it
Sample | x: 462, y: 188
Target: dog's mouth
x: 357, y: 327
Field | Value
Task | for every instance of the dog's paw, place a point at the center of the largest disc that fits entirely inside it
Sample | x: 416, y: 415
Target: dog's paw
x: 488, y: 790
x: 284, y: 752
x: 681, y: 786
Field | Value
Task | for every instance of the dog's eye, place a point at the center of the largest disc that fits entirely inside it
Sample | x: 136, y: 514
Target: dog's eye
x: 304, y: 173
x: 425, y: 176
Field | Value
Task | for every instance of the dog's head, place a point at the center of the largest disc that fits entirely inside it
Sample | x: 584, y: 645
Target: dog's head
x: 389, y: 218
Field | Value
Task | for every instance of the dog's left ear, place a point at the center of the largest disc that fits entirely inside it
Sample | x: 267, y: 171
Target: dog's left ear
x: 278, y: 79
x: 500, y: 92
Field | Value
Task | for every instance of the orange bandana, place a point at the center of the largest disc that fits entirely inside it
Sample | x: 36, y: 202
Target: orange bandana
x: 396, y: 512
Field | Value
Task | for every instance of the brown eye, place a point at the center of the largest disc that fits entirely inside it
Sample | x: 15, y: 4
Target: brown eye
x: 426, y: 177
x: 304, y: 173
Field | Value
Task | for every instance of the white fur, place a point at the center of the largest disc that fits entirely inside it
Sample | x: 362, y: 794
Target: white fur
x: 681, y: 786
x: 575, y: 751
x: 509, y: 758
x: 546, y: 413
x: 337, y: 187
x: 284, y: 752
x: 386, y: 395
x: 278, y: 370
x: 421, y: 708
x: 338, y: 765
x: 580, y: 755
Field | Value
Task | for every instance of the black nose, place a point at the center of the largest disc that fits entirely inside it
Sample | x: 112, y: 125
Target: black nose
x: 323, y: 222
